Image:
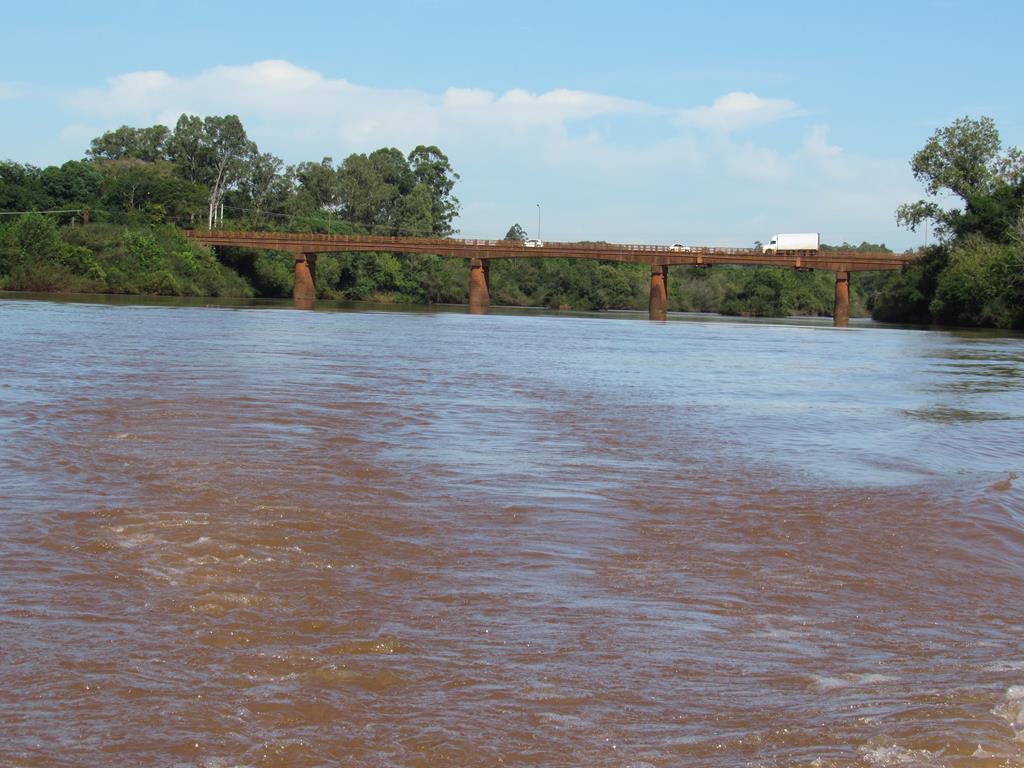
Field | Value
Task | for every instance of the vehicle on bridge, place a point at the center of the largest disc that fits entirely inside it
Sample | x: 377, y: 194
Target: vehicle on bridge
x: 533, y: 243
x: 793, y: 242
x: 680, y: 248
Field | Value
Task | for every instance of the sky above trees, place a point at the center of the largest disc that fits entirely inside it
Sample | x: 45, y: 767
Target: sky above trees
x: 651, y: 122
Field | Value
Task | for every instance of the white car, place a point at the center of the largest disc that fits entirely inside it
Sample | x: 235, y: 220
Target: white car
x: 680, y: 248
x: 533, y: 243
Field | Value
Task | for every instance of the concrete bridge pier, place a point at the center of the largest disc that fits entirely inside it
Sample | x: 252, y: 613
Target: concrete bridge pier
x: 479, y: 289
x: 658, y: 306
x: 305, y: 277
x: 841, y: 313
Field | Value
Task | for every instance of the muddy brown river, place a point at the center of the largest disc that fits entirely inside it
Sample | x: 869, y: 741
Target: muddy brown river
x: 245, y: 536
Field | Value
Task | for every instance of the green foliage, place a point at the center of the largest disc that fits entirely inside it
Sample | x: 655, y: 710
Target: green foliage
x: 273, y: 274
x: 135, y: 191
x: 983, y: 284
x: 386, y: 193
x: 435, y: 177
x: 992, y: 215
x: 516, y: 232
x: 975, y: 276
x: 127, y: 143
x: 143, y: 249
x: 21, y: 188
x: 73, y: 184
x: 161, y: 282
x: 778, y: 292
x: 34, y: 257
x: 36, y: 236
x: 966, y: 160
x: 37, y: 255
x: 903, y: 297
x: 82, y: 262
x: 864, y: 247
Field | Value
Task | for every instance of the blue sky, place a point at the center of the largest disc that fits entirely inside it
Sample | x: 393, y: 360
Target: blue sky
x: 716, y: 123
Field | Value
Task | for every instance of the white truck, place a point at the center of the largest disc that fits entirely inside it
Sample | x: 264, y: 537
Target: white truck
x: 799, y: 241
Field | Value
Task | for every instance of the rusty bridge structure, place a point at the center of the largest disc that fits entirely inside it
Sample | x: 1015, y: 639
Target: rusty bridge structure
x: 305, y: 247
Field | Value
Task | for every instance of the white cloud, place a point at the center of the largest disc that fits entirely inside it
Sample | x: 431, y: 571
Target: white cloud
x: 737, y: 110
x: 9, y: 91
x: 278, y: 90
x: 817, y: 144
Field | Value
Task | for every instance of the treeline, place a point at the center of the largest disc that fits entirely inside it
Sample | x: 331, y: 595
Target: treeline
x: 136, y: 186
x: 207, y: 170
x: 974, y: 275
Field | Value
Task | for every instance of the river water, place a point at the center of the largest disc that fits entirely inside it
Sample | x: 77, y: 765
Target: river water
x: 265, y: 537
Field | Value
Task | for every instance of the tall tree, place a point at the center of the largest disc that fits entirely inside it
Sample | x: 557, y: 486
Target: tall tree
x: 516, y: 232
x: 965, y: 159
x: 127, y: 143
x: 260, y: 182
x: 371, y: 187
x: 74, y: 183
x: 20, y: 187
x: 229, y: 149
x: 187, y: 149
x: 430, y: 166
x: 318, y: 188
x: 211, y: 151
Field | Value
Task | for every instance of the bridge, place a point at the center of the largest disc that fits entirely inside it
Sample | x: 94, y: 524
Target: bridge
x: 305, y: 246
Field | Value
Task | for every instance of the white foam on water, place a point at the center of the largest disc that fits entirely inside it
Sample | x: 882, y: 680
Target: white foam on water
x: 131, y: 539
x: 559, y: 720
x: 829, y: 683
x: 1011, y: 709
x: 982, y: 754
x: 894, y: 755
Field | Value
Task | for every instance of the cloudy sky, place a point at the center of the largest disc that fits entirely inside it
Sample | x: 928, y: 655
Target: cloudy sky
x: 701, y: 122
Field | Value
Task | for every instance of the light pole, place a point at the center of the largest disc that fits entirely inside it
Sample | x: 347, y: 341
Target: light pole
x: 538, y: 221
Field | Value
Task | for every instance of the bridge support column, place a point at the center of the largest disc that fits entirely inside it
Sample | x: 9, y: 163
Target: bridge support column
x: 479, y: 291
x: 305, y: 277
x: 841, y: 313
x: 658, y: 307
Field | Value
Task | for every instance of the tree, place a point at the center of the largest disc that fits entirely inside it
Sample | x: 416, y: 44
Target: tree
x: 152, y: 189
x: 318, y: 186
x: 260, y: 181
x: 516, y: 232
x: 229, y: 147
x: 20, y: 187
x: 414, y: 212
x: 211, y: 151
x: 187, y: 149
x: 127, y: 143
x: 371, y: 187
x: 430, y: 167
x: 74, y: 183
x: 964, y: 158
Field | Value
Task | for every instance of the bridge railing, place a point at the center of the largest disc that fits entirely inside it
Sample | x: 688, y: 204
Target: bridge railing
x: 507, y: 247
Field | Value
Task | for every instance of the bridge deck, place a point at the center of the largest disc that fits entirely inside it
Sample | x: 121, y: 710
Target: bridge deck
x: 310, y: 243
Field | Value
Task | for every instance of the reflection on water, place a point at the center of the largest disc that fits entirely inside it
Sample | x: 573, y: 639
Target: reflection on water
x: 241, y: 537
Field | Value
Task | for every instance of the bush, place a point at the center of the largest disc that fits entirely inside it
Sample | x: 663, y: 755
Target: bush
x: 161, y: 282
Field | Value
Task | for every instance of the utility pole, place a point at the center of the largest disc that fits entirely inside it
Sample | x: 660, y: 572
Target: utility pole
x: 538, y: 221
